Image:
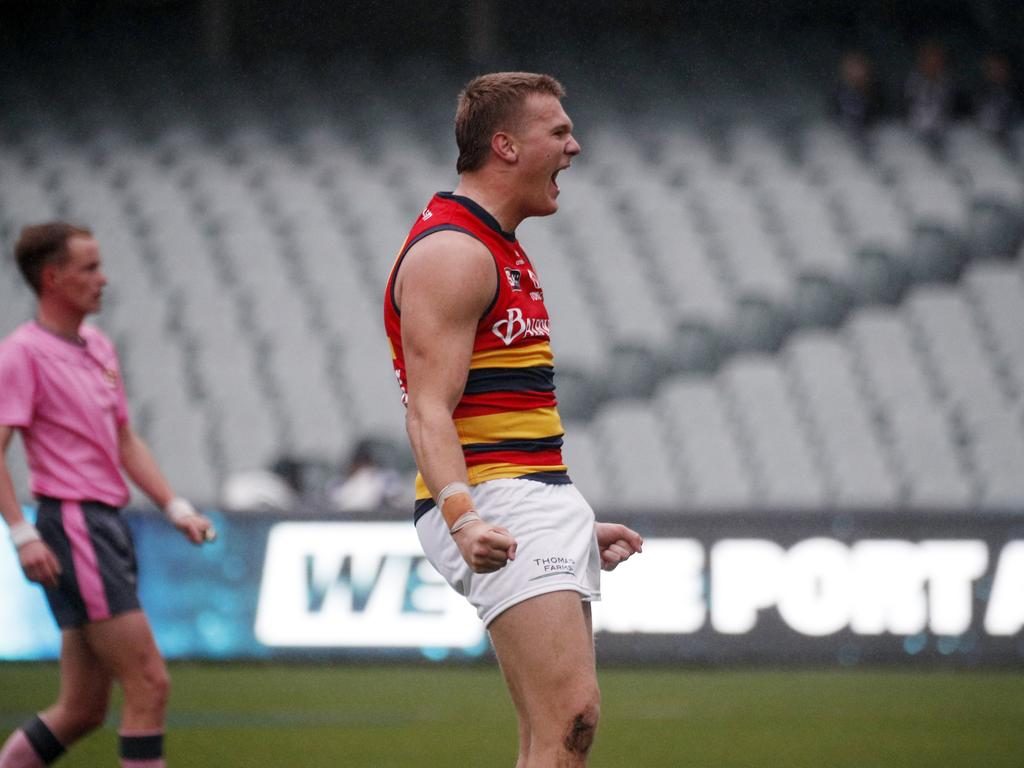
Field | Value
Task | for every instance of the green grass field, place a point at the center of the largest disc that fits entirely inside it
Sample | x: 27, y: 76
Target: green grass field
x: 250, y: 716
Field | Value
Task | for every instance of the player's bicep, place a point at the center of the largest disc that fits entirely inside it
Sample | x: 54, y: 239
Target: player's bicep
x: 446, y: 286
x: 437, y: 356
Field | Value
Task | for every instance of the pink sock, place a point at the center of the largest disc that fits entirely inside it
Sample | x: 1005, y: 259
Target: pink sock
x: 18, y: 753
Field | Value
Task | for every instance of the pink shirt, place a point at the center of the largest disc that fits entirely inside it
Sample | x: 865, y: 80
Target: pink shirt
x: 68, y: 401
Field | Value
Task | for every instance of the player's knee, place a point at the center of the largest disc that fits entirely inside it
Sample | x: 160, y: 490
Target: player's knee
x: 159, y: 683
x: 582, y: 727
x: 151, y: 689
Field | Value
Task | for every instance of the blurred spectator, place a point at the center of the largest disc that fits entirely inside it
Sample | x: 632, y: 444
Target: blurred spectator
x: 372, y: 481
x: 274, y: 489
x: 997, y: 105
x: 857, y: 101
x: 929, y: 94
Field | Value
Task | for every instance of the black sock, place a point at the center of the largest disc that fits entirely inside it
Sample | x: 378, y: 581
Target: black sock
x: 149, y: 747
x: 42, y: 740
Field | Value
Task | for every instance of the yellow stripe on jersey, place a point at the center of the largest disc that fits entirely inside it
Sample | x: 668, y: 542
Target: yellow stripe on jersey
x: 514, y: 357
x: 497, y: 471
x: 510, y: 425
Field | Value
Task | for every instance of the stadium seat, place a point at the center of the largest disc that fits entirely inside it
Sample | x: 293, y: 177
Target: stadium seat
x: 785, y: 474
x: 996, y: 292
x: 857, y: 464
x: 994, y: 443
x: 931, y: 470
x: 955, y: 357
x: 583, y: 456
x: 636, y: 457
x: 707, y: 452
x: 579, y: 392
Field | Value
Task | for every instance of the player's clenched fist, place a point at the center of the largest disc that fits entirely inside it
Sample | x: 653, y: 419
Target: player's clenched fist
x: 485, y: 548
x: 617, y: 543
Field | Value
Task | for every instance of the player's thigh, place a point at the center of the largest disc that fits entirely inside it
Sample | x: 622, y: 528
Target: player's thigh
x: 85, y: 682
x: 546, y: 651
x: 126, y: 647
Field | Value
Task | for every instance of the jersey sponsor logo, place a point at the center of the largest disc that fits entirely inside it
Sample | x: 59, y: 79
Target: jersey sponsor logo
x: 515, y: 278
x: 515, y: 325
x: 427, y: 213
x: 533, y: 278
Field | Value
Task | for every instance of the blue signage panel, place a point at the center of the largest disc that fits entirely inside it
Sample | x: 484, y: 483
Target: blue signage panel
x: 932, y: 589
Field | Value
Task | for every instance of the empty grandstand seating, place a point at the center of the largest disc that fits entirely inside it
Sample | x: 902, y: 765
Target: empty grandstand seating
x: 743, y: 318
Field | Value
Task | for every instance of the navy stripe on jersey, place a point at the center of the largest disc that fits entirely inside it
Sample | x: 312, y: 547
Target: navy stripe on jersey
x: 557, y: 477
x: 540, y: 444
x: 538, y: 379
x: 422, y: 507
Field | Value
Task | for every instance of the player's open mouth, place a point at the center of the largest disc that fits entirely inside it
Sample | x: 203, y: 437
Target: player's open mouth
x: 554, y: 177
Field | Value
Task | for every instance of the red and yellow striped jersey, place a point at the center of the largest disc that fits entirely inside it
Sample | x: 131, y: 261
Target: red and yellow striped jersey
x: 507, y: 418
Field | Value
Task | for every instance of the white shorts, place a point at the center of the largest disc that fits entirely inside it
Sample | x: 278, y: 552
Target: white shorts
x: 557, y: 546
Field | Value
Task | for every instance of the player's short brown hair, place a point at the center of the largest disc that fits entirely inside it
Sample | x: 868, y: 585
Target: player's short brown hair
x: 490, y: 103
x: 41, y: 245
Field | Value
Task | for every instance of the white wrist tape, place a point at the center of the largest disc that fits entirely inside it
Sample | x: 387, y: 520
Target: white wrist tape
x: 466, y: 519
x: 178, y: 509
x: 451, y: 490
x: 24, y: 533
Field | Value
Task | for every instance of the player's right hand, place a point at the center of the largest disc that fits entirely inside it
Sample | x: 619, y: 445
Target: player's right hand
x: 39, y: 563
x: 485, y: 548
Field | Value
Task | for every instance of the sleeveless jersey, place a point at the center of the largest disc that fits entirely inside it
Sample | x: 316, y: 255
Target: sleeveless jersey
x: 507, y: 418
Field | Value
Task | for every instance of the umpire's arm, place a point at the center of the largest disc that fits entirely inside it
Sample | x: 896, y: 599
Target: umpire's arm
x: 141, y: 467
x: 37, y: 560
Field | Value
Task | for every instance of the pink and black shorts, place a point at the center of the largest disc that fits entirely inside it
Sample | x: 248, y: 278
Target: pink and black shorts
x: 99, y: 573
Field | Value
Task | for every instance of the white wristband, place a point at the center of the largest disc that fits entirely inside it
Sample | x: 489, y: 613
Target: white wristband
x: 451, y: 490
x: 24, y: 533
x: 178, y: 508
x: 466, y: 519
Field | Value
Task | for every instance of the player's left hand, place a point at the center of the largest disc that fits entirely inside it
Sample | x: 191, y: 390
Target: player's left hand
x: 187, y: 519
x: 617, y: 543
x: 197, y: 528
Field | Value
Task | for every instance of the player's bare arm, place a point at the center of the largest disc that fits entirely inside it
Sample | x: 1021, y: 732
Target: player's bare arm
x: 141, y: 467
x: 37, y: 560
x: 444, y: 286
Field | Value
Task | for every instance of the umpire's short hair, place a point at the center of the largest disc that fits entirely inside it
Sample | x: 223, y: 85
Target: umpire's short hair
x: 40, y: 245
x: 490, y: 103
